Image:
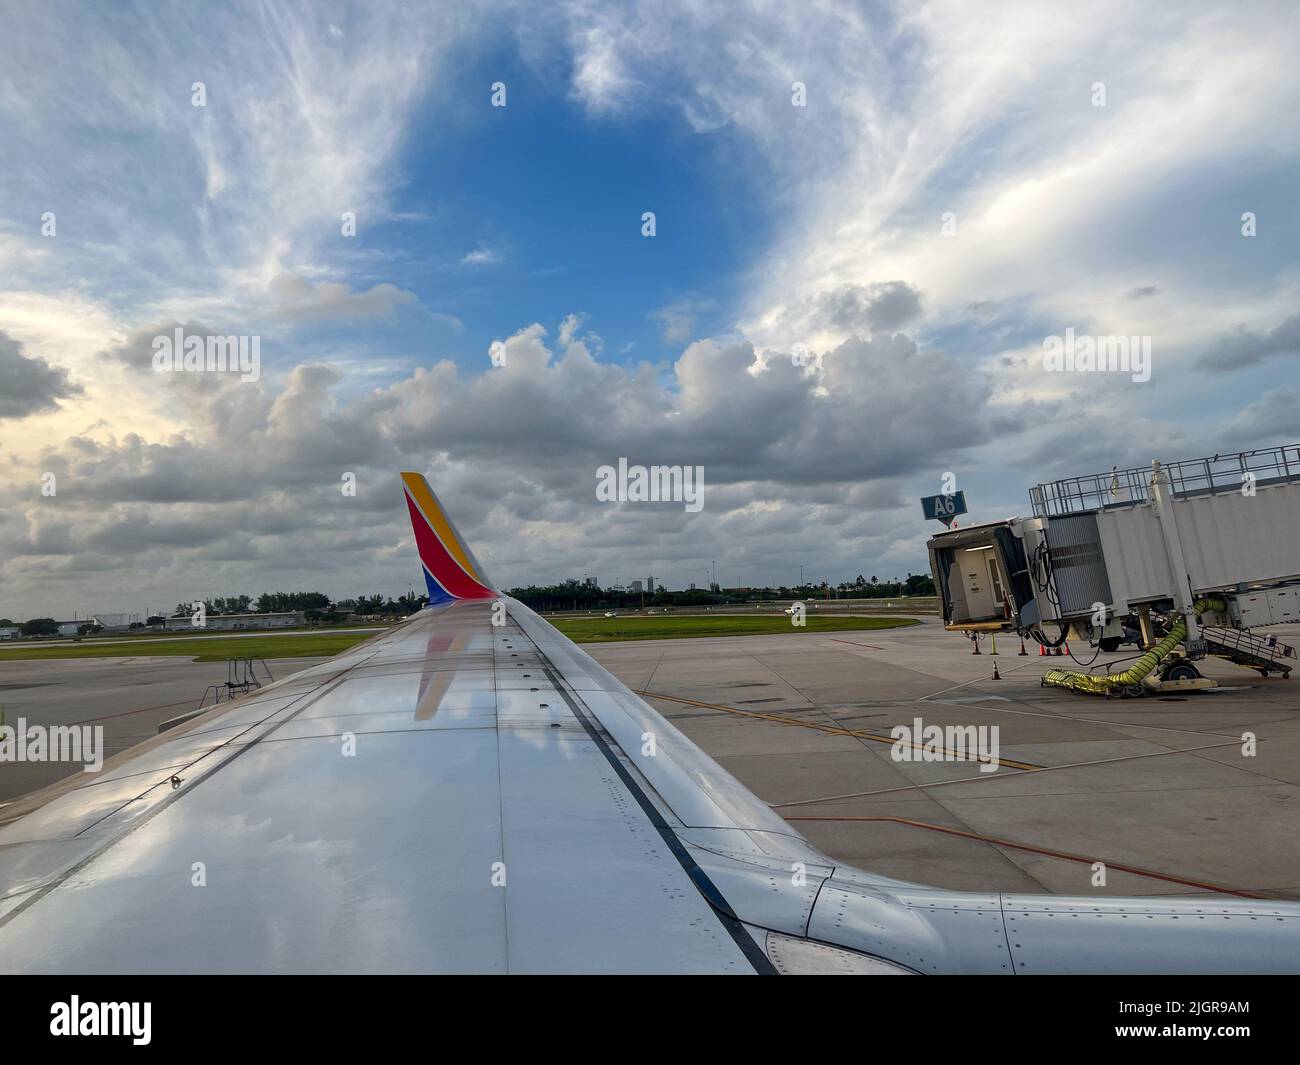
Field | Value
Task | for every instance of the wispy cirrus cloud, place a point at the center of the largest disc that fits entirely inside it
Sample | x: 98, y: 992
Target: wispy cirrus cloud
x: 297, y: 128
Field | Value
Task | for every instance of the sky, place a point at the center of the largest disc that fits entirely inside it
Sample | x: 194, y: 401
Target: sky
x: 869, y: 220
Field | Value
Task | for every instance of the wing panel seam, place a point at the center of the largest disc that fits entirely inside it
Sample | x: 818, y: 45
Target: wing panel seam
x: 716, y: 901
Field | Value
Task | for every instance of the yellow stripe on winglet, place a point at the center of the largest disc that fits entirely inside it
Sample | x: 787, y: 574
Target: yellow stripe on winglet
x: 419, y: 489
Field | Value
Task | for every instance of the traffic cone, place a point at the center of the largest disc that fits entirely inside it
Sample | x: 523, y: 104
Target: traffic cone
x: 1042, y: 650
x: 996, y: 674
x: 1022, y: 646
x: 975, y: 645
x: 1067, y: 649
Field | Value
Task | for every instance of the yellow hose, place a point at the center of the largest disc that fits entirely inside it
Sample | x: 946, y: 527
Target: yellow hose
x: 1107, y: 683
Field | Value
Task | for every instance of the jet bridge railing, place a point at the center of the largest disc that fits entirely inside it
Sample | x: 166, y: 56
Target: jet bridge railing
x: 1189, y: 477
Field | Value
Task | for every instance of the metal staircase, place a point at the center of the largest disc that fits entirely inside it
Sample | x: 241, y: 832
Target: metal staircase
x: 241, y: 678
x: 1264, y: 653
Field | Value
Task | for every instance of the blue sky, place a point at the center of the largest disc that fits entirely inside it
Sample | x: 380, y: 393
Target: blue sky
x: 557, y: 198
x: 518, y: 229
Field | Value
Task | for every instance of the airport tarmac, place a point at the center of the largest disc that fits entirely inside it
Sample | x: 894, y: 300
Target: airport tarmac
x: 1158, y: 789
x: 128, y: 697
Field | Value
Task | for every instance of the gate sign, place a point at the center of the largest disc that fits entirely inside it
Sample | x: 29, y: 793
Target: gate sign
x: 944, y: 508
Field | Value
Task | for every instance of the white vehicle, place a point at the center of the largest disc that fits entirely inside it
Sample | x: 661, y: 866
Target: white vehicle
x: 610, y: 614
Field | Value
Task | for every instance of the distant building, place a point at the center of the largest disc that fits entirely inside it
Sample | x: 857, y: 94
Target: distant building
x: 69, y: 628
x: 114, y: 622
x: 226, y: 622
x: 8, y: 632
x: 636, y: 587
x: 590, y: 582
x: 649, y: 584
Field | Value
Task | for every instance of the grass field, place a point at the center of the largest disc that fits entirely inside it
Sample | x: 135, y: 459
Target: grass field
x: 321, y: 643
x: 601, y: 630
x: 313, y: 644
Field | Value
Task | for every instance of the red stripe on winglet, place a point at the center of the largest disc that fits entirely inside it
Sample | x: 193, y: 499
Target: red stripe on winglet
x: 444, y: 568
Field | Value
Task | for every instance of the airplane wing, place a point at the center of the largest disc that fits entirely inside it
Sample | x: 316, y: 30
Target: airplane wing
x: 471, y: 792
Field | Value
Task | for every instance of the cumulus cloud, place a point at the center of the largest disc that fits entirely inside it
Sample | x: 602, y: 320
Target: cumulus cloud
x: 849, y: 310
x: 886, y: 306
x: 514, y: 451
x: 28, y: 383
x: 136, y: 351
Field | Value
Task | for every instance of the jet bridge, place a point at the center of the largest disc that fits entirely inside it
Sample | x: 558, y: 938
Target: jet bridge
x: 1137, y: 549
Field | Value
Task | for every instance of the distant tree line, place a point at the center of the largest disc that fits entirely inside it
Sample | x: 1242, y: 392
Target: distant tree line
x: 915, y: 584
x: 316, y: 606
x: 371, y: 605
x: 267, y: 603
x: 577, y: 595
x: 38, y: 627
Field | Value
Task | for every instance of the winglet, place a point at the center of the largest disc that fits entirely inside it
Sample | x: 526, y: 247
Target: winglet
x: 450, y: 569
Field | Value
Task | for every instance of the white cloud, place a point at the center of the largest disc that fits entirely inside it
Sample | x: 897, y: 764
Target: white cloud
x: 677, y: 319
x: 481, y: 256
x: 300, y: 300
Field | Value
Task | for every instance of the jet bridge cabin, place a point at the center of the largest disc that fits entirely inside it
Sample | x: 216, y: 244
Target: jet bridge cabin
x: 981, y: 574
